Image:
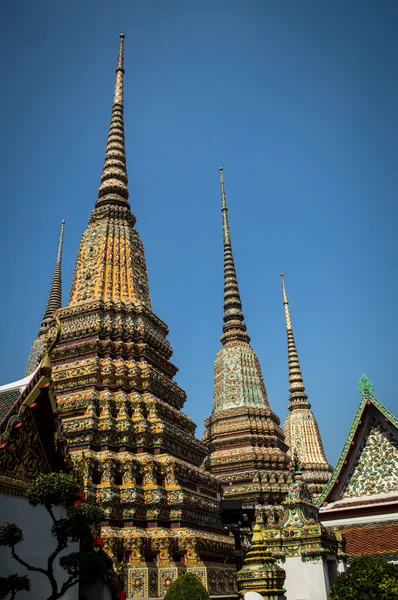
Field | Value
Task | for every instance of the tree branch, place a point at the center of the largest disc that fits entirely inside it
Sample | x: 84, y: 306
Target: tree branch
x: 60, y: 546
x: 50, y: 569
x: 68, y: 584
x: 25, y: 564
x: 55, y: 521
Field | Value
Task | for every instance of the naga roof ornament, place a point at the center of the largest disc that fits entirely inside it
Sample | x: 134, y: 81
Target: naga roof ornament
x: 301, y: 428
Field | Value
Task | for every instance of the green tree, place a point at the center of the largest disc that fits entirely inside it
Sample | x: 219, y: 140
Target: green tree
x: 50, y: 490
x: 187, y: 587
x: 367, y: 579
x: 12, y: 584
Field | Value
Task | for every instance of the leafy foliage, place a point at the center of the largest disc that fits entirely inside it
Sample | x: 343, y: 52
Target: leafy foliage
x: 50, y: 490
x: 12, y: 584
x: 86, y: 564
x: 10, y: 534
x: 367, y: 579
x: 187, y: 587
x: 79, y: 523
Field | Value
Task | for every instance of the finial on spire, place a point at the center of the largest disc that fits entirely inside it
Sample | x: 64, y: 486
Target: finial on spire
x: 286, y: 305
x: 121, y: 54
x: 61, y: 242
x: 234, y: 327
x: 298, y: 397
x: 113, y: 188
x: 225, y: 227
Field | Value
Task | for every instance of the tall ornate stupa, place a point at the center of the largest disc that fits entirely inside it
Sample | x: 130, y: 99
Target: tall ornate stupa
x: 53, y: 303
x: 301, y: 429
x: 121, y: 408
x: 248, y: 452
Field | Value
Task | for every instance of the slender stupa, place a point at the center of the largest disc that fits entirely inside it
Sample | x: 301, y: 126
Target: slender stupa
x: 301, y: 429
x: 248, y: 452
x: 54, y: 302
x: 121, y: 408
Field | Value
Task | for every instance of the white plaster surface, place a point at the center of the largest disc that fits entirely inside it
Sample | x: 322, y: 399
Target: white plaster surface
x: 306, y: 580
x: 37, y: 546
x: 356, y: 520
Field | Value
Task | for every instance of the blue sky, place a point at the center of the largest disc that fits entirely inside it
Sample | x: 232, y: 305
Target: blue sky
x: 296, y: 100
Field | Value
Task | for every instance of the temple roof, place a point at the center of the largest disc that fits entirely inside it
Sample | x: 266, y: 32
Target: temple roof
x: 368, y: 464
x: 29, y: 437
x: 11, y: 395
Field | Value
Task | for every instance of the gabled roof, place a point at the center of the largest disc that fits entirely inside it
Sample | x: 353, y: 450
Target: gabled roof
x: 29, y: 432
x: 352, y: 448
x: 10, y: 395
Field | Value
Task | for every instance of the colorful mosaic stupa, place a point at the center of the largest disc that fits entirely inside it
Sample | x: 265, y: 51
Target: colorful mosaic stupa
x: 248, y: 451
x: 121, y: 408
x: 260, y: 573
x: 301, y: 429
x: 53, y: 303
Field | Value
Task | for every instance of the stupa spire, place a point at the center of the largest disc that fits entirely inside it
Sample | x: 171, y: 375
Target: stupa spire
x: 54, y: 302
x: 243, y: 435
x: 298, y: 397
x: 55, y: 296
x: 234, y: 327
x: 301, y: 428
x: 114, y: 378
x: 113, y: 188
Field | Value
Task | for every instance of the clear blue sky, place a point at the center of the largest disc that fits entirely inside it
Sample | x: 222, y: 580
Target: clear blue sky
x: 298, y: 102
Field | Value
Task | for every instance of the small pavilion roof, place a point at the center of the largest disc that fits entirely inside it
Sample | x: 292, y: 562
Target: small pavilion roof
x: 351, y: 447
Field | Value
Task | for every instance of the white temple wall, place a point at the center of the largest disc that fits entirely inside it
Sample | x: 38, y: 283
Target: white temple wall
x: 306, y: 580
x: 36, y: 547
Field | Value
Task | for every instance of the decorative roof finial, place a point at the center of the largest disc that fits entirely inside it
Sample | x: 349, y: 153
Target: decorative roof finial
x: 234, y: 328
x: 365, y: 386
x: 298, y: 397
x: 113, y: 188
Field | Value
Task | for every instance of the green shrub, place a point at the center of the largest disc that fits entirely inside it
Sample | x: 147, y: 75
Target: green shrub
x: 367, y: 579
x: 187, y: 587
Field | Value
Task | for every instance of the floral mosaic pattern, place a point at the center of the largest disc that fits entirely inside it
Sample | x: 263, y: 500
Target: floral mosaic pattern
x: 238, y: 380
x: 376, y: 469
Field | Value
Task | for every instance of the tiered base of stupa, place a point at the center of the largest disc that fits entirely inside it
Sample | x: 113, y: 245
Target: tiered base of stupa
x: 136, y: 451
x: 248, y: 454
